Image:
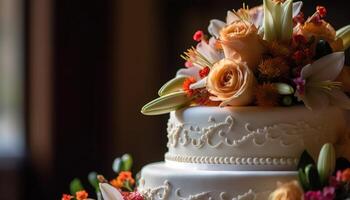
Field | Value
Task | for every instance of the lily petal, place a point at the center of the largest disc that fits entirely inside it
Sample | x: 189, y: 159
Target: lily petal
x: 231, y: 17
x: 315, y: 99
x: 199, y: 84
x: 166, y: 103
x: 278, y: 23
x: 297, y: 7
x: 326, y: 68
x: 191, y: 71
x: 109, y: 192
x: 215, y: 26
x: 208, y: 52
x: 344, y: 34
x: 340, y: 99
x: 174, y: 85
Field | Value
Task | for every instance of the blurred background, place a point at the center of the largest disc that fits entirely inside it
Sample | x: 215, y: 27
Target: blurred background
x: 74, y: 75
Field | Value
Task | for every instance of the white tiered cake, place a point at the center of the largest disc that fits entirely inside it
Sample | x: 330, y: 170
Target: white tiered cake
x: 265, y: 88
x: 237, y: 153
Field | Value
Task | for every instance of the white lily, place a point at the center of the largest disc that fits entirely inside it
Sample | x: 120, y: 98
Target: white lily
x: 316, y: 86
x: 256, y: 16
x: 209, y: 51
x: 109, y: 192
x: 278, y: 20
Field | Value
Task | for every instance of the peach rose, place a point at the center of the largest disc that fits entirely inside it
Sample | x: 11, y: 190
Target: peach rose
x: 321, y: 30
x: 231, y: 82
x: 287, y: 191
x: 241, y: 42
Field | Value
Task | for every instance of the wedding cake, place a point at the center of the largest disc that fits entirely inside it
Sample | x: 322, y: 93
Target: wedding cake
x: 263, y: 87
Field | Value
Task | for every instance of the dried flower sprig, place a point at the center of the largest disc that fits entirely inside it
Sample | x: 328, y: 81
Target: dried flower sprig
x: 194, y: 56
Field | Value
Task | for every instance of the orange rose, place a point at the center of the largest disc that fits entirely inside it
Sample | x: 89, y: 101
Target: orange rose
x: 241, y: 42
x: 287, y: 191
x: 231, y: 82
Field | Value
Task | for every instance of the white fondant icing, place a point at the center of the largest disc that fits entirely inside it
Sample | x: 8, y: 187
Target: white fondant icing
x: 191, y: 184
x: 251, y: 135
x: 238, y: 153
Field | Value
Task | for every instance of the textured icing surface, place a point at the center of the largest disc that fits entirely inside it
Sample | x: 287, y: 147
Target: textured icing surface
x: 161, y: 181
x: 267, y: 138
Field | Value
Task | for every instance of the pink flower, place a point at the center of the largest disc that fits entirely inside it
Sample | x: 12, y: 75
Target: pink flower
x: 328, y: 193
x: 313, y: 195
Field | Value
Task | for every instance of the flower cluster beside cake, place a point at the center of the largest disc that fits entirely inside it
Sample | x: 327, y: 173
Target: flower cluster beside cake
x: 258, y: 112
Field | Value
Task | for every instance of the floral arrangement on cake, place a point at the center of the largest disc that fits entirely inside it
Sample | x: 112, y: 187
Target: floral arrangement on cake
x: 122, y: 187
x: 327, y: 179
x: 270, y: 55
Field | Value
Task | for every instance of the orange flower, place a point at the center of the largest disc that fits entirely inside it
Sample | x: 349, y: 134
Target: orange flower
x: 81, y: 195
x: 345, y: 175
x: 186, y: 85
x: 123, y: 177
x: 277, y: 49
x: 274, y: 67
x: 267, y: 95
x: 67, y: 197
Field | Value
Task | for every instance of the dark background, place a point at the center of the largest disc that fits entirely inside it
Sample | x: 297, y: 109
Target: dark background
x: 90, y: 66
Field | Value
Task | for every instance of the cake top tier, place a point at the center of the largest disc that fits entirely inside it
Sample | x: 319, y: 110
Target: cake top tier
x: 270, y: 55
x: 250, y: 138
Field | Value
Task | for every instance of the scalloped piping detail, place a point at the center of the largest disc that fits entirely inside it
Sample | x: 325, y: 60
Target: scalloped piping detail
x: 163, y: 192
x: 233, y: 160
x: 158, y: 193
x: 287, y: 134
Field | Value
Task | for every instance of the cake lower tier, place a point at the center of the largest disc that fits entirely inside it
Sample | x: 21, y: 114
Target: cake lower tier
x: 167, y: 182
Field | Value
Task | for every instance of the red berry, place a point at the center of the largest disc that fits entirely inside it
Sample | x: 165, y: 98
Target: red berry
x: 321, y: 10
x: 198, y: 36
x: 204, y: 72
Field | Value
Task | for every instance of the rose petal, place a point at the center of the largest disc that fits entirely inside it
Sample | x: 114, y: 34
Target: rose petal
x: 326, y: 68
x: 109, y: 192
x: 215, y: 26
x: 340, y: 99
x: 192, y: 71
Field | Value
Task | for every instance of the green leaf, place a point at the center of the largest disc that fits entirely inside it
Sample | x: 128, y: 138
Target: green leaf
x: 344, y: 34
x: 75, y: 186
x: 117, y: 165
x: 284, y: 88
x: 312, y: 177
x: 174, y: 85
x: 166, y: 103
x: 326, y: 162
x: 92, y: 177
x: 303, y: 180
x: 305, y: 159
x: 126, y: 162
